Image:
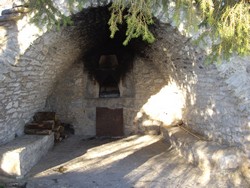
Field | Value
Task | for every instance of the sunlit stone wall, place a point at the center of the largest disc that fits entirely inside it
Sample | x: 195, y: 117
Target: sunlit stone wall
x: 170, y: 80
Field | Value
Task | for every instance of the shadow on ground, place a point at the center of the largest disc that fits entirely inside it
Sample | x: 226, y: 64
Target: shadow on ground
x: 136, y: 161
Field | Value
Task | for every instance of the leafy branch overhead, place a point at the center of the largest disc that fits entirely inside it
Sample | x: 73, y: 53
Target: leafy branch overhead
x: 225, y: 22
x: 138, y: 17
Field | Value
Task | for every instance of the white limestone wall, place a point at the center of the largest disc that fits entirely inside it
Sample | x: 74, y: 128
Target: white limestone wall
x: 31, y: 60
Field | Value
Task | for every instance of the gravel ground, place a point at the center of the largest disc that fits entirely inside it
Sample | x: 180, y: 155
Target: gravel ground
x: 136, y: 161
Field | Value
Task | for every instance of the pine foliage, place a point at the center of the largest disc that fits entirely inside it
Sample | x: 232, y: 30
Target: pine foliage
x: 138, y: 16
x: 226, y: 22
x: 46, y: 14
x: 229, y: 25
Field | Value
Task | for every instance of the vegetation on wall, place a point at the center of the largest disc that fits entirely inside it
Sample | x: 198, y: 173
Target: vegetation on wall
x: 225, y: 22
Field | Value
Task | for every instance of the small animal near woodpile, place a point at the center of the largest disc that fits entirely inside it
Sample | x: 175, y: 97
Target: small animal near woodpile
x: 46, y: 123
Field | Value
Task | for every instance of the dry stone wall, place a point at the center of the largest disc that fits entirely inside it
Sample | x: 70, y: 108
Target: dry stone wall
x: 27, y: 80
x: 29, y: 68
x: 170, y: 80
x: 171, y: 83
x: 214, y: 107
x: 218, y: 95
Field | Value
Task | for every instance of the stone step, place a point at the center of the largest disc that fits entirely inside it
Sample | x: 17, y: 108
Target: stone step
x: 20, y: 155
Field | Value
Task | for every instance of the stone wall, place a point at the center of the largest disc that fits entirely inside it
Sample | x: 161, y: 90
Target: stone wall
x: 30, y: 63
x: 75, y: 106
x: 171, y: 83
x: 169, y: 79
x: 218, y: 96
x: 212, y: 106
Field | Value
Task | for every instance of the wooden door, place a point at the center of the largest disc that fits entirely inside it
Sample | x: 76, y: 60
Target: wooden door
x: 109, y: 122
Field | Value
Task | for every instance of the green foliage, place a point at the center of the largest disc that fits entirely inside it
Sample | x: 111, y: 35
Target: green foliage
x: 229, y: 23
x: 117, y: 9
x: 44, y: 13
x: 138, y: 17
x: 226, y: 22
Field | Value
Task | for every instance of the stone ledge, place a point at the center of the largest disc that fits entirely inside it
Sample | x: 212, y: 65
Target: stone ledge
x: 20, y: 155
x: 206, y: 155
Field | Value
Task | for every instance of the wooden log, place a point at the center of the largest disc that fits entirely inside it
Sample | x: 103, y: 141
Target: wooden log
x: 44, y: 116
x: 57, y: 122
x: 56, y: 128
x: 43, y: 125
x: 61, y: 129
x: 57, y: 136
x: 50, y: 124
x: 37, y: 131
x: 34, y: 125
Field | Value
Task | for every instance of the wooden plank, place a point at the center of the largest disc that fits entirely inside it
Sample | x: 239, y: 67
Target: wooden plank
x: 44, y: 125
x: 34, y: 126
x: 50, y: 124
x: 37, y: 132
x: 44, y: 116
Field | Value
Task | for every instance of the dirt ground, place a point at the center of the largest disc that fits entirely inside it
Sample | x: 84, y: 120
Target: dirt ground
x: 135, y: 161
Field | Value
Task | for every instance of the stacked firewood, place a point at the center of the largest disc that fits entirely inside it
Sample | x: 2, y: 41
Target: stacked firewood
x: 46, y: 123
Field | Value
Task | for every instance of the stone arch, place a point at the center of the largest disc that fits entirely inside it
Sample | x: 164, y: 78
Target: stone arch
x: 168, y: 72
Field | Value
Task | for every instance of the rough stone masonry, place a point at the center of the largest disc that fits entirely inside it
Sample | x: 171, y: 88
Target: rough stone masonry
x: 43, y: 70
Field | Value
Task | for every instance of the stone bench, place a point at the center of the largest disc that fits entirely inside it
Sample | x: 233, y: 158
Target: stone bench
x: 20, y: 155
x: 205, y: 154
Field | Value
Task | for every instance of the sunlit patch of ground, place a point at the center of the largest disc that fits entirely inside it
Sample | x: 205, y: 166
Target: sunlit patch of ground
x: 136, y: 161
